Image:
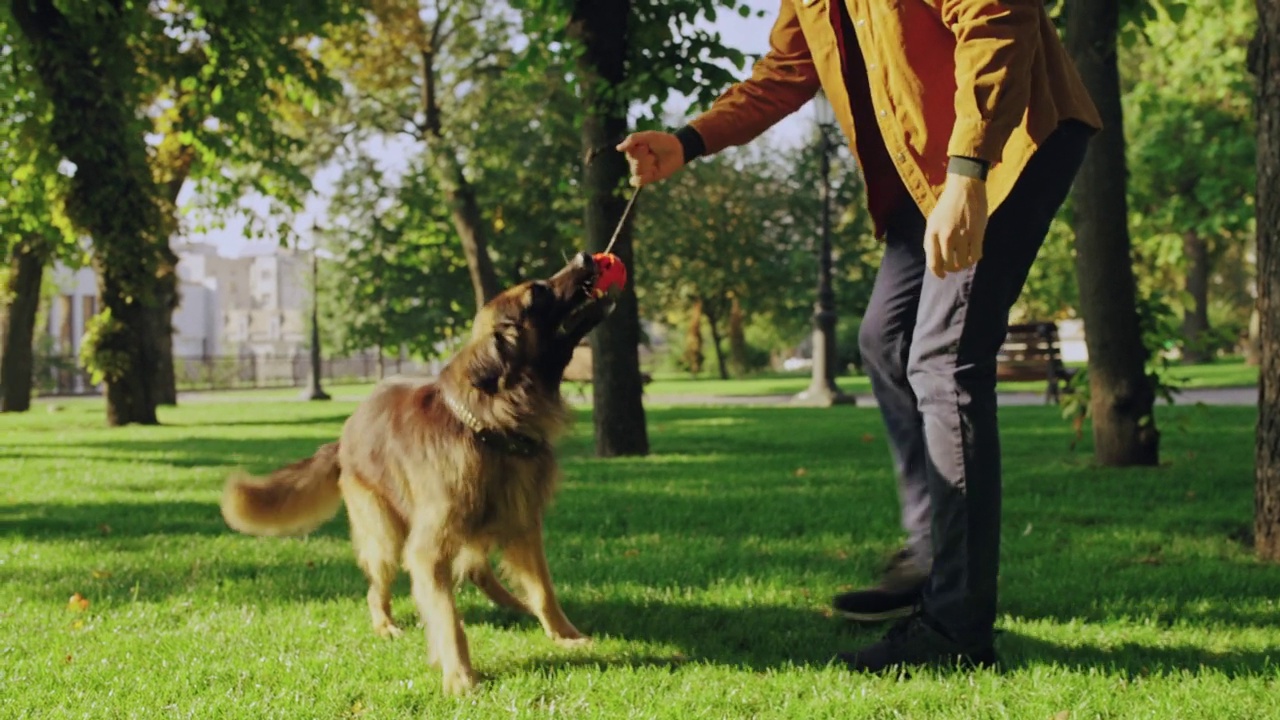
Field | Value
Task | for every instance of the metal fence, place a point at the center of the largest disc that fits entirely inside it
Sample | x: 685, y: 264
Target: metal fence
x: 61, y: 374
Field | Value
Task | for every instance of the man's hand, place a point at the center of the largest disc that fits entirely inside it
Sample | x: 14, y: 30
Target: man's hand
x: 652, y: 155
x: 957, y: 226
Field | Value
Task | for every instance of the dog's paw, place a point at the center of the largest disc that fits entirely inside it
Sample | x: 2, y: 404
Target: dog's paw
x: 460, y: 682
x: 387, y: 630
x: 574, y: 640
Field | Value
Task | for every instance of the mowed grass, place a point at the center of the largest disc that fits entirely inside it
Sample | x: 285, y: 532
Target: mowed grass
x: 703, y: 571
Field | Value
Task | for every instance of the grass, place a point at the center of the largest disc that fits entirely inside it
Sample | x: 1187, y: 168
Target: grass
x: 702, y: 570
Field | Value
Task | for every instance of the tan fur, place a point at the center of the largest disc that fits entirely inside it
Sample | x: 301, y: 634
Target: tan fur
x: 422, y: 491
x: 293, y: 500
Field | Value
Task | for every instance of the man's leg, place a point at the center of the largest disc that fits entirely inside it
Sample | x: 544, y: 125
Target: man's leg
x: 961, y: 322
x: 885, y: 339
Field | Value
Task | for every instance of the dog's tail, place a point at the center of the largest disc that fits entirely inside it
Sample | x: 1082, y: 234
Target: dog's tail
x: 293, y: 500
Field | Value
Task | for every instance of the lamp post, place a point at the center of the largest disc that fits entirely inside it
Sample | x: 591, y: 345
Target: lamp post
x: 822, y: 390
x: 315, y: 392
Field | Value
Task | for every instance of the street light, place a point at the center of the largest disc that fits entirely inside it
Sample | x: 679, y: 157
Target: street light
x: 822, y: 390
x: 316, y: 392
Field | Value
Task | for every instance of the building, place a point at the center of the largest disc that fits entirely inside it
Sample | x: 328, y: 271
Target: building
x: 255, y: 305
x: 244, y: 307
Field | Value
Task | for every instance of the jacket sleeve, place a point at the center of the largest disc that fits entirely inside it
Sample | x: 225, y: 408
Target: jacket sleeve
x: 781, y: 81
x: 996, y: 43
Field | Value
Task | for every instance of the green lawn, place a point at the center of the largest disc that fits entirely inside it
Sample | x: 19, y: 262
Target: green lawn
x: 702, y: 570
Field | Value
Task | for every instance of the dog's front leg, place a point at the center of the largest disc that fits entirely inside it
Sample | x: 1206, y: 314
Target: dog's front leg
x: 526, y: 560
x: 431, y: 568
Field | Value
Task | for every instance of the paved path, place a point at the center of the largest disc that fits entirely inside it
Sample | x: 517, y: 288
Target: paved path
x: 1208, y: 396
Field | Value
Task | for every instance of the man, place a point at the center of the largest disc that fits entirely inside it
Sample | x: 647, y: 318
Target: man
x: 969, y: 123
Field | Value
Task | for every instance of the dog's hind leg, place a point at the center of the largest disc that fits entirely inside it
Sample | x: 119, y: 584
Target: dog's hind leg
x: 378, y: 534
x: 430, y: 562
x: 472, y: 563
x: 483, y: 577
x: 526, y: 559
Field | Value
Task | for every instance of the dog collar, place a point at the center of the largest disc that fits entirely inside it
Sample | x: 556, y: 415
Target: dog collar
x: 512, y: 443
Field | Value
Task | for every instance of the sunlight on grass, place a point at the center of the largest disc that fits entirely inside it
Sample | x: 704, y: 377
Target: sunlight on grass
x: 703, y: 571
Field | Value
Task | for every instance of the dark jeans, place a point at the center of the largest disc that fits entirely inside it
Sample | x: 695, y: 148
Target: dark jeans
x: 929, y: 346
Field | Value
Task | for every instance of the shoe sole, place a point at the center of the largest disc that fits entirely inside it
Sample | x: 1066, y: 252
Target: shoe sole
x: 877, y: 617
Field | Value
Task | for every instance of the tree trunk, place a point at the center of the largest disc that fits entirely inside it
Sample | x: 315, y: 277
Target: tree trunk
x: 1195, y: 320
x: 167, y: 299
x: 464, y: 207
x: 468, y: 221
x: 693, y: 356
x: 89, y: 78
x: 601, y: 27
x: 1265, y: 62
x: 1121, y: 396
x: 737, y: 339
x: 176, y: 168
x: 714, y: 326
x: 17, y: 365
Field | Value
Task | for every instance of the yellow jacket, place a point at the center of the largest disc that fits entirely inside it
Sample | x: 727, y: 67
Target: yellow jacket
x: 972, y: 78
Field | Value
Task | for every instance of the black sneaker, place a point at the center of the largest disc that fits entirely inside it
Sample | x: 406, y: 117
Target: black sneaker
x: 916, y: 642
x: 897, y: 595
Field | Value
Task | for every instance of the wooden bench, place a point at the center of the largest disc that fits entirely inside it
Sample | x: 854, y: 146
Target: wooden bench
x: 1031, y: 352
x: 579, y: 370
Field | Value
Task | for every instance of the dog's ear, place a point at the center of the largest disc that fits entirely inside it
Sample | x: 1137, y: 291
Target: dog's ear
x: 493, y: 360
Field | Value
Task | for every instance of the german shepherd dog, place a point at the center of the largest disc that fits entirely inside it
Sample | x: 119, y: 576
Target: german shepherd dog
x: 438, y: 475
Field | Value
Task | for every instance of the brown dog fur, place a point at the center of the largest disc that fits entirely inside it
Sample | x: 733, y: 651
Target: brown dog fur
x: 423, y: 490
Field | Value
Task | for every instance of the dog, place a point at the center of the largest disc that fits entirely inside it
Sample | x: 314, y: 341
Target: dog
x: 440, y: 474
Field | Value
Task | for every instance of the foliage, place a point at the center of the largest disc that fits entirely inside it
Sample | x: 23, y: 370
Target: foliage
x: 746, y: 224
x: 395, y: 278
x: 1190, y: 141
x: 669, y: 53
x: 104, y: 362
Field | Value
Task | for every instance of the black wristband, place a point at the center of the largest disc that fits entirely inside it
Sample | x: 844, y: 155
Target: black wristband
x: 968, y: 167
x: 691, y: 141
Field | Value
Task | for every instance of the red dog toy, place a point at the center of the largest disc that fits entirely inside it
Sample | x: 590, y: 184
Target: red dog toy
x: 610, y: 273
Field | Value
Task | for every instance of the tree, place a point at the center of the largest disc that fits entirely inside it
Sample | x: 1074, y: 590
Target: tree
x: 33, y: 224
x: 1191, y: 151
x: 1265, y: 64
x: 624, y: 55
x: 397, y: 278
x: 1121, y: 395
x: 89, y: 75
x: 105, y: 69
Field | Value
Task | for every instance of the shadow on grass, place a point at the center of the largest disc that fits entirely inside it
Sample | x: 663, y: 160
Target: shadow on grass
x: 1133, y: 660
x: 254, y: 454
x: 768, y: 637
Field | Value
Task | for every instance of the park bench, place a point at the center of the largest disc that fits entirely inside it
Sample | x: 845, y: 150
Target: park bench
x: 1031, y: 352
x: 579, y: 370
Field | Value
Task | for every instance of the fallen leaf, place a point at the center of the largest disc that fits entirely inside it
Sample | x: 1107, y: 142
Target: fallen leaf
x: 77, y: 625
x: 105, y: 529
x: 68, y: 658
x: 1062, y: 715
x: 1027, y: 530
x: 311, y: 563
x: 631, y: 553
x: 801, y: 472
x: 868, y: 437
x: 78, y: 602
x: 101, y: 574
x: 1191, y: 494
